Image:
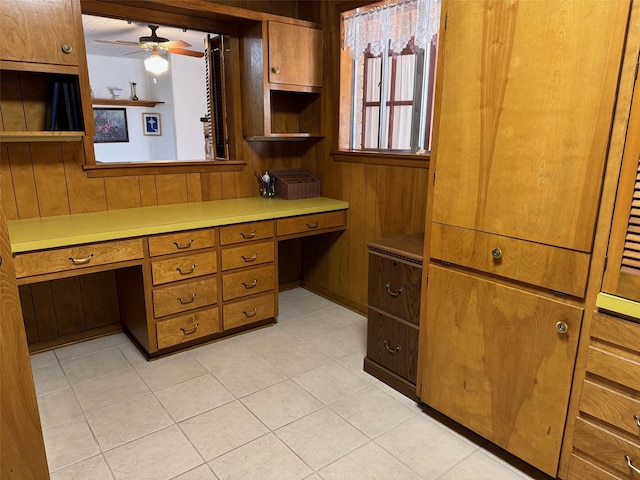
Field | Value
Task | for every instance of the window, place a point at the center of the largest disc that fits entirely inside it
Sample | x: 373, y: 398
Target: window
x: 388, y: 76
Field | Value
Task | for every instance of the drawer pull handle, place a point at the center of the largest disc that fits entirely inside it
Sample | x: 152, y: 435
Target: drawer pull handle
x: 393, y: 350
x: 249, y: 259
x: 81, y: 261
x: 188, y: 300
x: 393, y: 294
x: 637, y: 419
x: 250, y: 285
x: 251, y: 314
x: 248, y: 235
x: 186, y: 272
x: 182, y: 246
x: 496, y: 253
x: 631, y: 466
x: 313, y: 225
x: 190, y: 330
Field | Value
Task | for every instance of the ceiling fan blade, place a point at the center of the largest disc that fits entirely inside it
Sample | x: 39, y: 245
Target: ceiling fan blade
x: 182, y: 51
x: 119, y: 42
x: 175, y: 44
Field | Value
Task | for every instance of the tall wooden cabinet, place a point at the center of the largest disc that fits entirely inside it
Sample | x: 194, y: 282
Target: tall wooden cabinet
x: 519, y: 151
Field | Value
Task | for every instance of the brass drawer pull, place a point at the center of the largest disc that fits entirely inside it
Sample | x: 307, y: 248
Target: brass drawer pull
x: 393, y: 294
x: 393, y: 350
x: 251, y: 314
x: 637, y: 419
x: 186, y: 272
x: 313, y: 225
x: 182, y: 246
x: 248, y: 235
x: 631, y: 466
x: 250, y: 285
x: 81, y: 261
x: 189, y: 300
x: 249, y: 259
x: 191, y: 330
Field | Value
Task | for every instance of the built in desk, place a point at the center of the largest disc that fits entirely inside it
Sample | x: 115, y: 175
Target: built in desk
x: 184, y: 273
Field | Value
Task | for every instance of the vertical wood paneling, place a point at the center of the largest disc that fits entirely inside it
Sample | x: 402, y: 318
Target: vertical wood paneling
x: 194, y: 187
x: 28, y: 314
x: 100, y: 299
x: 24, y: 183
x: 122, y: 192
x: 356, y: 227
x: 12, y: 110
x: 34, y: 101
x: 171, y: 188
x: 85, y: 194
x: 148, y: 190
x: 51, y: 183
x: 7, y: 194
x: 67, y: 300
x: 44, y: 310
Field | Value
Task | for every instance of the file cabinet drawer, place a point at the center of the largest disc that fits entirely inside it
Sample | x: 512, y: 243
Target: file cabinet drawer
x: 247, y: 255
x: 309, y: 224
x: 248, y: 282
x: 181, y: 242
x: 184, y: 296
x: 246, y: 232
x: 185, y: 328
x: 181, y: 268
x: 248, y: 311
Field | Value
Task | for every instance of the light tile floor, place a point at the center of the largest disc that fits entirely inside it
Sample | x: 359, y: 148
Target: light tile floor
x: 289, y: 401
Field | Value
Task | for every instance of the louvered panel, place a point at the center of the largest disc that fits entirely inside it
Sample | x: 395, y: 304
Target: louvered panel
x: 631, y: 254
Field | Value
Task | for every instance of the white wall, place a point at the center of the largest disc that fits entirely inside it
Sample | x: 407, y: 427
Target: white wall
x: 185, y: 142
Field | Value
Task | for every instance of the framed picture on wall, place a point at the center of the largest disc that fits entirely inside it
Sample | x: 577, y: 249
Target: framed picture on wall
x: 111, y: 125
x: 151, y: 124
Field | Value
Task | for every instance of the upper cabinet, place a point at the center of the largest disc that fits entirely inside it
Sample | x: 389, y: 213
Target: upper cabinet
x: 281, y: 80
x: 43, y: 71
x: 40, y: 31
x: 302, y: 65
x: 524, y: 116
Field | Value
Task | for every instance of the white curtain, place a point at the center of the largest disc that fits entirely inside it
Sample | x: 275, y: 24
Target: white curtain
x: 391, y: 23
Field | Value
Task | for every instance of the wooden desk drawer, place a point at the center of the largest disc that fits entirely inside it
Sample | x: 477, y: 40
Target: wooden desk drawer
x: 181, y: 241
x: 309, y: 224
x: 394, y: 287
x: 393, y: 344
x: 608, y: 448
x: 185, y: 296
x: 582, y: 469
x: 76, y: 258
x: 248, y: 255
x: 248, y: 311
x: 611, y: 407
x: 248, y: 282
x: 181, y: 268
x: 246, y: 232
x: 550, y: 267
x: 187, y: 327
x: 614, y: 367
x: 618, y: 331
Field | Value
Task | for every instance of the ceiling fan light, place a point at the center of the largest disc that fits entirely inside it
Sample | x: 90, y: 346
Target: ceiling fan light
x: 156, y: 64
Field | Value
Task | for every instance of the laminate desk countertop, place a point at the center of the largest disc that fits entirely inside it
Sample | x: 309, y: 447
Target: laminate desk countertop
x: 75, y: 229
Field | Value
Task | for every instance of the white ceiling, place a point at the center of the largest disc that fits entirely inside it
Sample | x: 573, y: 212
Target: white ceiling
x: 112, y: 29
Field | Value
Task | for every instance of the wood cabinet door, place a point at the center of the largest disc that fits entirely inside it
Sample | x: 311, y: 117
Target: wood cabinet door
x: 497, y: 363
x: 22, y: 454
x: 295, y: 55
x: 524, y: 105
x: 38, y: 30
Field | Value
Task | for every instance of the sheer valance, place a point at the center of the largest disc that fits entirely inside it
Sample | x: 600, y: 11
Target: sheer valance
x: 392, y: 24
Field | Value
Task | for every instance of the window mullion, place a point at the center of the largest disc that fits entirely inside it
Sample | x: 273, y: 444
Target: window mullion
x: 384, y: 88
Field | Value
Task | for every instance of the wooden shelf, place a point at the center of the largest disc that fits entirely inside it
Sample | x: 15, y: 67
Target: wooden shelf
x: 125, y: 103
x: 41, y: 136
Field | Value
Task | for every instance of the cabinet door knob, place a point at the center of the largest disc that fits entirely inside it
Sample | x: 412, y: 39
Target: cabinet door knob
x: 562, y: 327
x: 275, y: 70
x: 66, y: 48
x: 496, y: 253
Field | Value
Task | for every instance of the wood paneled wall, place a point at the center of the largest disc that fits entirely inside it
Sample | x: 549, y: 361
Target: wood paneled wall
x: 384, y: 200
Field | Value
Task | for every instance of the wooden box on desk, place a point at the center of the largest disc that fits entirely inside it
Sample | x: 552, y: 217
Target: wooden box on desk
x: 295, y: 183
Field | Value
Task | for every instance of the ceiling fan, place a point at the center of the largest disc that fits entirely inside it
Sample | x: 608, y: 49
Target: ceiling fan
x: 158, y: 44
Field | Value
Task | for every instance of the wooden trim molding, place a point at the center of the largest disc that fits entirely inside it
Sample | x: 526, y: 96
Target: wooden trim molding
x: 376, y: 158
x: 167, y: 167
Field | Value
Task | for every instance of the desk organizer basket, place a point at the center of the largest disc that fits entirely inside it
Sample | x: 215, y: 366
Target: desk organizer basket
x: 295, y: 183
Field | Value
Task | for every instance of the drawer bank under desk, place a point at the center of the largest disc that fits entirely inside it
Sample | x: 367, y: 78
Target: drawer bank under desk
x: 172, y: 276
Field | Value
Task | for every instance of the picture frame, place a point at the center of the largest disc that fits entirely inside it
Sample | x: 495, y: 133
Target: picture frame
x: 151, y: 124
x: 111, y: 125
